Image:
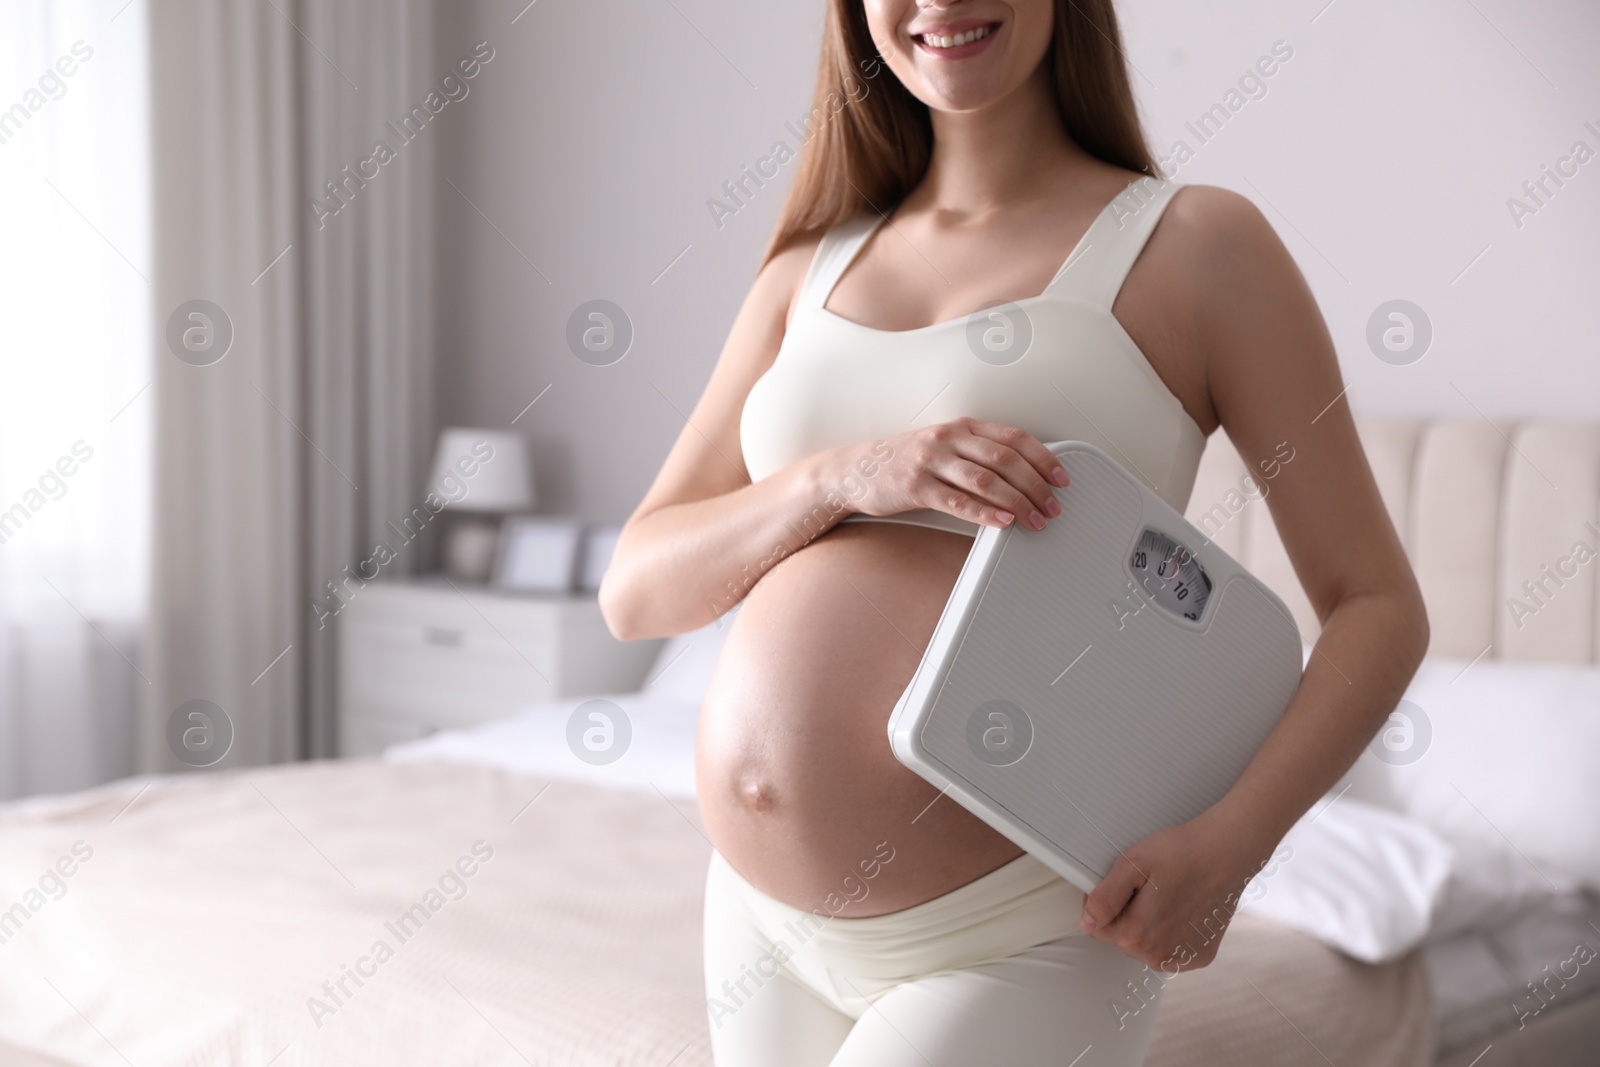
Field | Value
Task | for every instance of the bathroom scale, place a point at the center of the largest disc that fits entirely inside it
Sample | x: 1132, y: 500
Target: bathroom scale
x: 1101, y: 679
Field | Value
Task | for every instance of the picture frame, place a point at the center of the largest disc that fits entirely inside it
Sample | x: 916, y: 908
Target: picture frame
x: 537, y: 554
x: 599, y: 542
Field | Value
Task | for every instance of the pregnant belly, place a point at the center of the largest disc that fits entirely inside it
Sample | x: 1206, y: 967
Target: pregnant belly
x: 797, y: 783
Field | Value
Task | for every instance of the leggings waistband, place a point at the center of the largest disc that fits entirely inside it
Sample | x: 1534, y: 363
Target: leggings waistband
x: 1012, y: 908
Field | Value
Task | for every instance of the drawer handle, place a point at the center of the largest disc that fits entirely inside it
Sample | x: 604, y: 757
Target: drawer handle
x: 446, y: 638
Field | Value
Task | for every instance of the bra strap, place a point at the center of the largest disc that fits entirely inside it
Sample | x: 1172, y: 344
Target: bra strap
x: 834, y: 253
x: 1095, y: 272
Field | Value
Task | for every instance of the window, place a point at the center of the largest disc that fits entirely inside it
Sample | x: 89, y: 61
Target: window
x: 75, y: 340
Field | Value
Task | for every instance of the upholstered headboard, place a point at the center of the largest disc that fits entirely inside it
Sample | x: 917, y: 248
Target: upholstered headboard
x: 1492, y: 517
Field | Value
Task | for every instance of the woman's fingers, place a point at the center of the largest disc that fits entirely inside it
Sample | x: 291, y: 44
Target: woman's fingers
x: 989, y: 487
x: 986, y: 472
x: 1033, y: 451
x: 1015, y: 472
x: 956, y: 501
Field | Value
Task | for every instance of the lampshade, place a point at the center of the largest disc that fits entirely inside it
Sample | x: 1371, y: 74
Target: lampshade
x: 482, y: 470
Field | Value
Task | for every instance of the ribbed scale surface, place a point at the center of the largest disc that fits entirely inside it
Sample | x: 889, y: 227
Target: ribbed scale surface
x: 1179, y: 711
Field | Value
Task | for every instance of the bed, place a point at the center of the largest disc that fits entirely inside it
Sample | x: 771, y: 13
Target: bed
x: 484, y: 897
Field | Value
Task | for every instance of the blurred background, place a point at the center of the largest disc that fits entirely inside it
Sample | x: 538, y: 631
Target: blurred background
x: 336, y: 339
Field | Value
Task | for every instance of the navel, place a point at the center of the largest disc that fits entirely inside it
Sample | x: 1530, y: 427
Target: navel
x: 757, y: 794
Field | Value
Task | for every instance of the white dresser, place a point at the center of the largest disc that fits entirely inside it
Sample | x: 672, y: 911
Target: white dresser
x: 418, y: 656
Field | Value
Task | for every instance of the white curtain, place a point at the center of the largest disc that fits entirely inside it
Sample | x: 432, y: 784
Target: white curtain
x: 75, y: 408
x: 277, y: 463
x: 370, y: 286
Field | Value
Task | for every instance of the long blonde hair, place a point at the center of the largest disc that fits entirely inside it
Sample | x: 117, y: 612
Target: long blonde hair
x: 875, y: 149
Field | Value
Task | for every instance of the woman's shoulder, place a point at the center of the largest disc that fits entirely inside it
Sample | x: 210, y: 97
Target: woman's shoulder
x: 1210, y: 241
x: 1217, y: 255
x: 1198, y: 218
x: 800, y: 248
x: 1212, y: 256
x: 780, y: 279
x: 1208, y: 220
x: 775, y: 293
x: 783, y: 276
x: 795, y: 254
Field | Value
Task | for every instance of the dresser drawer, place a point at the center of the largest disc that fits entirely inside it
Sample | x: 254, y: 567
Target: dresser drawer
x: 446, y: 609
x: 443, y: 676
x: 421, y: 655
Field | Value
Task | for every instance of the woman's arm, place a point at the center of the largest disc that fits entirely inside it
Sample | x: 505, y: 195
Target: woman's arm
x: 1274, y: 379
x: 702, y: 533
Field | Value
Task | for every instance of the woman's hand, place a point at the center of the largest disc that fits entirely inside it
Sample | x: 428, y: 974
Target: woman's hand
x: 1168, y: 898
x: 984, y: 472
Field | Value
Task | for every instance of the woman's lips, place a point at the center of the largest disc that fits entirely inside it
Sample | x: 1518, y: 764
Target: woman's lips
x: 986, y: 32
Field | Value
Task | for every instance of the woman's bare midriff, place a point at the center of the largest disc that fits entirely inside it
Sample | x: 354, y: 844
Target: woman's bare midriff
x: 797, y: 783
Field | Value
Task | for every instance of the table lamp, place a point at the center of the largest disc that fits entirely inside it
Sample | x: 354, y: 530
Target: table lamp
x: 478, y: 473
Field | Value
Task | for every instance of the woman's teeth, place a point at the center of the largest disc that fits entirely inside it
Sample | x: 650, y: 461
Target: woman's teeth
x: 956, y: 40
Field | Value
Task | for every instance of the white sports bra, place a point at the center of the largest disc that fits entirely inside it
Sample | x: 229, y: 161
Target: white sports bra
x: 1078, y: 376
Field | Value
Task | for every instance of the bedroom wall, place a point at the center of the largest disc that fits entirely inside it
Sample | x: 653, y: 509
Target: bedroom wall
x: 1384, y: 147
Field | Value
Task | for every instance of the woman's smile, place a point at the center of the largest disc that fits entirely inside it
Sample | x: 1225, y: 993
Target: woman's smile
x: 956, y: 40
x: 934, y: 49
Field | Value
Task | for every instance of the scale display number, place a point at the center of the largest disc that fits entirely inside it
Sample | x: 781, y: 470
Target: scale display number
x: 1171, y: 574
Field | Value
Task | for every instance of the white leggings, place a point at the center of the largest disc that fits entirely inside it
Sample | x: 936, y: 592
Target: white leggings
x: 995, y: 974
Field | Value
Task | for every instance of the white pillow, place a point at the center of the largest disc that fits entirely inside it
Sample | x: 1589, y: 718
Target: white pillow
x: 1499, y: 762
x: 682, y: 669
x: 1489, y: 886
x: 1356, y: 877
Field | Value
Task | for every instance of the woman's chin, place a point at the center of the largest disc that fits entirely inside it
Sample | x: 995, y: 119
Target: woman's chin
x: 965, y: 99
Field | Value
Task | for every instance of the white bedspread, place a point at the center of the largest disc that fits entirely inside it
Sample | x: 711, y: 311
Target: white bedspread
x: 211, y: 910
x: 225, y: 919
x: 659, y: 756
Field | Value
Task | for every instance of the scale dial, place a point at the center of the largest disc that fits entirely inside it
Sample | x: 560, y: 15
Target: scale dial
x: 1170, y: 574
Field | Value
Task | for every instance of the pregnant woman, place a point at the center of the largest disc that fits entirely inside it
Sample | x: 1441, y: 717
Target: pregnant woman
x: 978, y: 256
